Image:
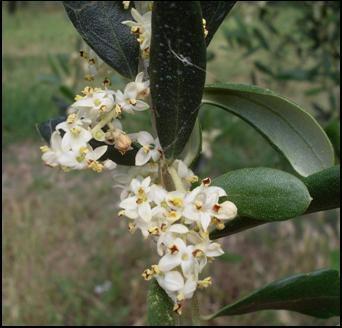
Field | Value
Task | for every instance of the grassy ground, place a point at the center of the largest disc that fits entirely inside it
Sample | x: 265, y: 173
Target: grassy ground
x: 68, y: 259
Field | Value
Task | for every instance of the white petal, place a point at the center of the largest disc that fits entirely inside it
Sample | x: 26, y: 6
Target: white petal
x: 178, y: 228
x: 142, y: 157
x: 144, y: 211
x: 56, y: 141
x: 169, y: 261
x: 190, y: 213
x: 189, y: 287
x: 135, y: 185
x: 139, y: 77
x: 205, y: 220
x: 97, y: 153
x: 140, y: 106
x: 221, y: 192
x: 129, y: 203
x: 187, y: 266
x: 146, y: 182
x: 145, y: 138
x: 173, y: 281
x: 155, y: 154
x: 132, y: 214
x: 213, y: 250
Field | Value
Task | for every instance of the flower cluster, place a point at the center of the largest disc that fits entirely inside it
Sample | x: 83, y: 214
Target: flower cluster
x: 95, y: 117
x: 179, y: 221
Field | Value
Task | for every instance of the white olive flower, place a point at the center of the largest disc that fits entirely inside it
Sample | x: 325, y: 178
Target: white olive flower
x: 150, y: 148
x: 204, y: 244
x: 128, y: 102
x: 75, y: 136
x: 199, y: 206
x: 169, y: 235
x: 138, y: 88
x: 176, y: 287
x: 179, y: 254
x: 141, y: 27
x: 85, y: 157
x: 138, y: 205
x: 94, y: 102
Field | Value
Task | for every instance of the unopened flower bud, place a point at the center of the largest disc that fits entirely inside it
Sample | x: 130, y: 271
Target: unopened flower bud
x: 123, y: 142
x: 228, y: 209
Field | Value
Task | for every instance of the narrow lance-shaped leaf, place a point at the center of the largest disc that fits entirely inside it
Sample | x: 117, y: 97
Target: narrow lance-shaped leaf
x: 99, y: 24
x: 316, y: 294
x: 159, y: 306
x: 265, y: 194
x: 214, y: 13
x: 324, y: 188
x: 285, y: 125
x: 177, y: 71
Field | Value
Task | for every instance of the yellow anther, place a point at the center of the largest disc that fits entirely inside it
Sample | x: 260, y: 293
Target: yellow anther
x: 117, y: 109
x: 135, y: 29
x: 95, y: 166
x: 83, y: 54
x: 205, y: 283
x: 198, y: 253
x: 87, y: 91
x: 89, y: 77
x: 140, y: 39
x: 180, y: 297
x: 75, y: 131
x: 103, y: 109
x: 132, y: 101
x: 71, y: 118
x: 44, y: 149
x: 146, y: 148
x: 131, y: 227
x: 173, y: 215
x: 155, y: 269
x: 147, y: 274
x: 146, y: 53
x: 198, y: 204
x: 122, y: 213
x: 192, y: 179
x: 203, y: 234
x: 83, y: 150
x: 125, y: 4
x: 154, y: 231
x: 177, y: 308
x: 178, y: 202
x: 78, y: 97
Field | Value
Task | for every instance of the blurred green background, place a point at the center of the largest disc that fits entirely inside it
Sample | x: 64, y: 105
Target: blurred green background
x: 67, y: 257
